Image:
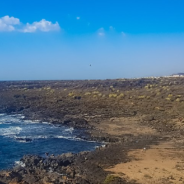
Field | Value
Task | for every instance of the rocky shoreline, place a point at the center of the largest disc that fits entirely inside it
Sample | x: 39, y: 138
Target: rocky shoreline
x: 128, y: 114
x: 69, y: 168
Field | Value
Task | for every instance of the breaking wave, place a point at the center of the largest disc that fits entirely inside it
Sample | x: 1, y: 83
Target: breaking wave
x: 19, y: 137
x: 11, y: 131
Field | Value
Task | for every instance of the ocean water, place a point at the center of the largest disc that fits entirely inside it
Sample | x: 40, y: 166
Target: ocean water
x: 19, y: 137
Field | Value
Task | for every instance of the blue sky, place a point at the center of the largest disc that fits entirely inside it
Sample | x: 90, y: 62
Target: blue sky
x: 90, y: 39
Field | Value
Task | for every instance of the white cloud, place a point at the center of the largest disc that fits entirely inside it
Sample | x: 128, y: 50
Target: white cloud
x: 43, y: 25
x: 10, y: 20
x: 78, y: 18
x: 101, y: 32
x: 8, y: 23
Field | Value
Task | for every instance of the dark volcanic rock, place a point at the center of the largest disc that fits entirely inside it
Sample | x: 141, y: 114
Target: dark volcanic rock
x: 85, y: 104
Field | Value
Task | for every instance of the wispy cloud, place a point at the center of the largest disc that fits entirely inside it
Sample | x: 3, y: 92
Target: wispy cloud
x: 111, y: 28
x: 123, y: 34
x: 101, y: 32
x: 8, y: 24
x: 110, y: 31
x: 78, y: 18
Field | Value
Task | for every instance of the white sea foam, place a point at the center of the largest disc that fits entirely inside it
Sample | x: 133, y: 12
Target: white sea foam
x: 19, y: 163
x: 31, y: 121
x: 8, y: 119
x: 70, y: 130
x: 23, y: 141
x: 26, y: 129
x: 23, y: 138
x: 59, y: 137
x: 64, y: 137
x: 10, y: 131
x: 80, y: 139
x: 49, y: 137
x: 41, y: 137
x: 45, y: 123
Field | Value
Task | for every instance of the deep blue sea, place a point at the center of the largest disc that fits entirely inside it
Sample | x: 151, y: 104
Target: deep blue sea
x: 19, y: 137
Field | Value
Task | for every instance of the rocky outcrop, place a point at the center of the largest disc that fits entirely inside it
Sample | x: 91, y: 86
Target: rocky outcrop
x: 82, y: 168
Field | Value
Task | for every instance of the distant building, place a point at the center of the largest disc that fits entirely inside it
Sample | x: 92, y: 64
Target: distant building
x: 178, y: 75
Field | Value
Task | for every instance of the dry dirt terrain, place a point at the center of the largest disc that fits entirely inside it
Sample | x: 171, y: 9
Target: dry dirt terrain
x: 140, y: 120
x: 155, y: 164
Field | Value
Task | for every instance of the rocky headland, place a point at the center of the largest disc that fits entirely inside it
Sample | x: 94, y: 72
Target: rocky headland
x: 140, y: 120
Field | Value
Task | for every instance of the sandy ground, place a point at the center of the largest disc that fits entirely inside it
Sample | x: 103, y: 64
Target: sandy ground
x: 158, y: 164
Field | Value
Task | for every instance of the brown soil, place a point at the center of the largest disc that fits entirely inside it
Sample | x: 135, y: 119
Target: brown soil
x: 158, y: 164
x: 125, y: 126
x: 161, y: 164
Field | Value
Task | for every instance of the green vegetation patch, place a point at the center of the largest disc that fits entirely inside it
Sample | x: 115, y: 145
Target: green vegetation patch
x: 141, y: 97
x: 87, y: 93
x: 110, y: 178
x: 113, y: 95
x: 71, y: 94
